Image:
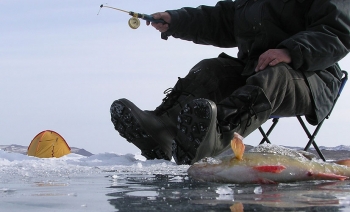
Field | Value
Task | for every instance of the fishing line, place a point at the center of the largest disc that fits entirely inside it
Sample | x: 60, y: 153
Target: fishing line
x: 100, y: 9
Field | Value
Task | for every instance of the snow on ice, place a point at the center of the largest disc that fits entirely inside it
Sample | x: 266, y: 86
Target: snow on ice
x: 16, y: 165
x: 73, y: 182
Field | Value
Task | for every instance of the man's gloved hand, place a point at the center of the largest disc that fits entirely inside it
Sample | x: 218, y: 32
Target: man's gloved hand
x: 159, y: 26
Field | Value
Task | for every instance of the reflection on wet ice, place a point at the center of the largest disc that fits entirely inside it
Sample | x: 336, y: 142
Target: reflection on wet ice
x: 162, y: 192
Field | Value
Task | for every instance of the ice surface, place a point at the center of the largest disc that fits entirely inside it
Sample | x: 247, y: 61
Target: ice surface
x: 112, y: 182
x: 258, y: 190
x: 80, y: 182
x: 225, y: 193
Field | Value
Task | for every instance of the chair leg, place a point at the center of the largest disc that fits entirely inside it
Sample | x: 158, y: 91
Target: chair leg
x: 318, y: 151
x: 265, y: 136
x: 312, y: 137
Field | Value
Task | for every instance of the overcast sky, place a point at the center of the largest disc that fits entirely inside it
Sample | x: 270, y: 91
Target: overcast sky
x: 62, y: 65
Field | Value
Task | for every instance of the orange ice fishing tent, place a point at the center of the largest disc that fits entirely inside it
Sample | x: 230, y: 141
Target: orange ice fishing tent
x: 48, y: 144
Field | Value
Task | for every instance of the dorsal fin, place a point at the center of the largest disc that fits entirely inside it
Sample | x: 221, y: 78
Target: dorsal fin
x: 237, y: 146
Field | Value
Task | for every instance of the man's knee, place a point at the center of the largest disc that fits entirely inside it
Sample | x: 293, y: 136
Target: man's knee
x: 271, y: 76
x: 278, y: 70
x: 205, y: 66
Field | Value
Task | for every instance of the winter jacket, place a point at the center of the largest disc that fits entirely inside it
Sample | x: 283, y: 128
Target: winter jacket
x: 316, y: 33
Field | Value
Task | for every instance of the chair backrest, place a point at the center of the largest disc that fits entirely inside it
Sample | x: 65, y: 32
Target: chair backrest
x: 343, y: 82
x: 342, y: 85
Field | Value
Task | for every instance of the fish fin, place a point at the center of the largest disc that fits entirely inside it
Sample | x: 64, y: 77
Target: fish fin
x: 266, y: 181
x: 345, y: 162
x: 271, y: 169
x: 237, y: 146
x: 327, y: 176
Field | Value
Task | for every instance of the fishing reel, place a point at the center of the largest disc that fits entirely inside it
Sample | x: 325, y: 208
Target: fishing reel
x: 134, y: 21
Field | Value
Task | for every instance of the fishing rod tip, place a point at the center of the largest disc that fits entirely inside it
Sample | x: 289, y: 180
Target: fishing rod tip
x: 101, y: 5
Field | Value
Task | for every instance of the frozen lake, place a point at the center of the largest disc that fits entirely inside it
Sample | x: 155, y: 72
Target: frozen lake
x: 110, y: 182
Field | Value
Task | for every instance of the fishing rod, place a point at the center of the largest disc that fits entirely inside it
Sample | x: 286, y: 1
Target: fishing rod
x: 134, y: 21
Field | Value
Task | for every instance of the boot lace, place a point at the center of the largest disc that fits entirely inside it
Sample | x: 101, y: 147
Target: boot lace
x: 251, y: 114
x: 171, y: 98
x: 246, y: 112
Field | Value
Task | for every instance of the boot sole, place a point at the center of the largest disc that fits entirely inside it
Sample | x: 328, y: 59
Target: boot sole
x: 193, y: 125
x: 129, y: 128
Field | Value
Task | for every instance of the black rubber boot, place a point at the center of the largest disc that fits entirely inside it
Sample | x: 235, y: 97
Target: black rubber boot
x: 197, y: 132
x: 206, y: 129
x: 153, y: 131
x: 142, y: 128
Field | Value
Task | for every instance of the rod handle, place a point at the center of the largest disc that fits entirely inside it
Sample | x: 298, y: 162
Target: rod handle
x: 151, y: 19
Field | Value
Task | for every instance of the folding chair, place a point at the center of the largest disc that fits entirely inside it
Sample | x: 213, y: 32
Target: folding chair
x: 311, y: 137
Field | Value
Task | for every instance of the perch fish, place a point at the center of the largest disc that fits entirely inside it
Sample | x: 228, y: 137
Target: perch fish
x: 266, y: 164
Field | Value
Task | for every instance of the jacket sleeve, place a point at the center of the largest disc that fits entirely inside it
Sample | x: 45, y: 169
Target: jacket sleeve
x: 204, y: 24
x: 326, y: 39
